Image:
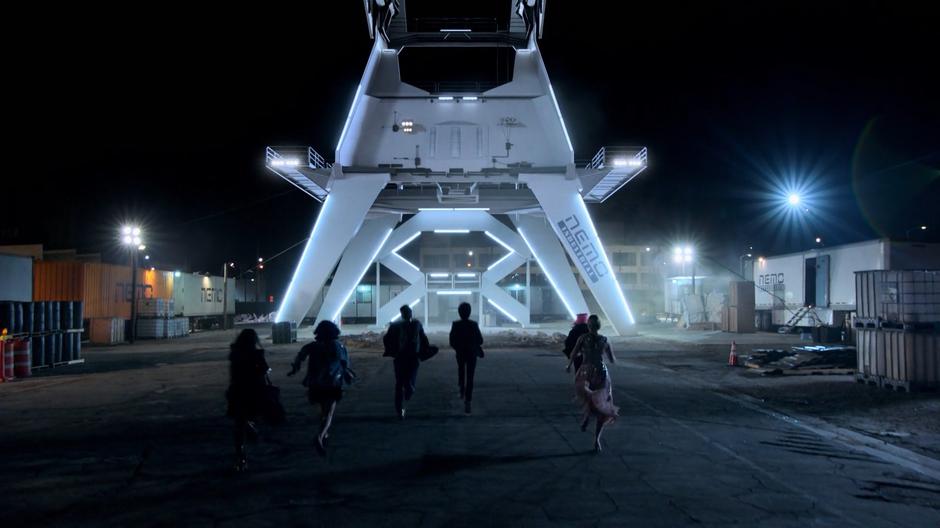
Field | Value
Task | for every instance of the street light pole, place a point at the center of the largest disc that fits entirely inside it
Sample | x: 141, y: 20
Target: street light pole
x: 131, y: 237
x: 133, y: 293
x: 225, y: 296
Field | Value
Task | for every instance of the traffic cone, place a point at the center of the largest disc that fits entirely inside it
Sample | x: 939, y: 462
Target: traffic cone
x: 733, y: 356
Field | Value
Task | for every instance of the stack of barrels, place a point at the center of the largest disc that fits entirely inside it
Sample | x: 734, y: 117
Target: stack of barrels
x: 39, y: 334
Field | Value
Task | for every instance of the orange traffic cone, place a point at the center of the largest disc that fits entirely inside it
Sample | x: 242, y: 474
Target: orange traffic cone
x: 733, y: 356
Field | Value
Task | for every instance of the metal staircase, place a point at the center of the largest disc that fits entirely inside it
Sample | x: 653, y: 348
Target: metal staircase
x: 796, y: 318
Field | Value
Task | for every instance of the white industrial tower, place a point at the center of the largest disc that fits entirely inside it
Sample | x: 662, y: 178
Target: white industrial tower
x: 454, y: 126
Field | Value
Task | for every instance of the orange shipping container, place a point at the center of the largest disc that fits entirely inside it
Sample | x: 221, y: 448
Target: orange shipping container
x: 104, y: 288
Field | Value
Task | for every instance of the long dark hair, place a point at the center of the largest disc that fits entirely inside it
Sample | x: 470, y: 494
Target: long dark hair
x: 326, y: 331
x: 247, y: 340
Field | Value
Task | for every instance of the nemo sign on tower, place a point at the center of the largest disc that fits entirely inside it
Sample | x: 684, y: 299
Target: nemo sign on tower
x: 454, y: 126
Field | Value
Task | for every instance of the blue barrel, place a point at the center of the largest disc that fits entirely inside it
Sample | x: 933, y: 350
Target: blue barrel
x: 7, y: 316
x: 37, y: 343
x: 65, y: 315
x: 78, y: 313
x: 57, y: 347
x: 28, y: 317
x: 39, y: 317
x: 48, y: 357
x: 52, y: 316
x: 17, y: 318
x: 76, y: 346
x: 67, y: 347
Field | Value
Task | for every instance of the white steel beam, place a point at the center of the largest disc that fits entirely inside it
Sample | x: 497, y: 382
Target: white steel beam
x: 356, y: 260
x: 343, y: 212
x: 551, y: 259
x: 569, y: 219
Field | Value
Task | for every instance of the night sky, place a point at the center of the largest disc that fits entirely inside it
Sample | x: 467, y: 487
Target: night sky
x: 162, y: 115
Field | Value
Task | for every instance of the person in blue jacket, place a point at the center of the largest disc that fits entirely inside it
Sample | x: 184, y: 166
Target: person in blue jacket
x: 327, y: 372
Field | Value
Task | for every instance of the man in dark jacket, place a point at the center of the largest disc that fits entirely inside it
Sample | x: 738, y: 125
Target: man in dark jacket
x: 578, y: 329
x: 403, y: 341
x: 467, y: 341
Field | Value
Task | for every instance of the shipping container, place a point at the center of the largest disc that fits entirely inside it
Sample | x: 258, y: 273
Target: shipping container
x: 909, y: 360
x: 200, y: 296
x: 824, y: 278
x: 904, y: 297
x: 105, y: 288
x: 16, y: 278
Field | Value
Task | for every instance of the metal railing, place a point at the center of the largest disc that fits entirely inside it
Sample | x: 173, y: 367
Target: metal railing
x: 291, y: 157
x: 630, y: 156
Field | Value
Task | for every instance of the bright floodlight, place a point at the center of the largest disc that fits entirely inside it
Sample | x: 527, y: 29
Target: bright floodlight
x: 793, y: 199
x: 923, y: 228
x: 126, y: 230
x: 818, y: 240
x: 127, y: 239
x: 136, y: 231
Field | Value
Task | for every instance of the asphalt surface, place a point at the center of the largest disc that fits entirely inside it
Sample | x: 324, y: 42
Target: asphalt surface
x: 137, y: 437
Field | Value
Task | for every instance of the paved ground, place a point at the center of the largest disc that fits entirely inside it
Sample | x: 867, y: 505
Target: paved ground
x: 137, y: 438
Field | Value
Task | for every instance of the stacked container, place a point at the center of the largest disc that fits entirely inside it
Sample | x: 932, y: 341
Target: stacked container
x: 738, y: 315
x: 898, y: 328
x: 155, y: 320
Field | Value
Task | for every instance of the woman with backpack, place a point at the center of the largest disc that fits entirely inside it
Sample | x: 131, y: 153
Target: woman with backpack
x: 327, y: 372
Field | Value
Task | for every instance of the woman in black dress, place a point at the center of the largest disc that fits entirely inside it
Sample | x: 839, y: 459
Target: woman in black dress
x: 327, y: 371
x: 248, y: 377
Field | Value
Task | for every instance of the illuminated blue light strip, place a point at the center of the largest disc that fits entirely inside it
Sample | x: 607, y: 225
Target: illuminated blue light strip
x: 500, y: 242
x: 412, y: 305
x: 504, y: 312
x: 560, y: 119
x: 406, y: 242
x: 498, y: 262
x: 547, y: 275
x: 293, y: 280
x: 363, y: 274
x: 349, y: 116
x: 606, y: 261
x: 406, y: 261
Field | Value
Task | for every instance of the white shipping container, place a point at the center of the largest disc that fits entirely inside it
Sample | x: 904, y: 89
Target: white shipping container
x: 827, y: 275
x: 196, y: 295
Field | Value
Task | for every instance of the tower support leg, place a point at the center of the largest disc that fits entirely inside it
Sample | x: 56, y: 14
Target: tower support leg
x: 560, y: 199
x: 357, y: 258
x: 340, y: 217
x: 551, y: 259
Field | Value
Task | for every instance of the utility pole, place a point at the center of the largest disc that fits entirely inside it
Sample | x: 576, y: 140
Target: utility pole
x: 133, y: 292
x: 225, y: 296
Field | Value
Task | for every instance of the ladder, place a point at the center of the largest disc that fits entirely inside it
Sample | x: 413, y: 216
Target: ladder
x: 791, y: 324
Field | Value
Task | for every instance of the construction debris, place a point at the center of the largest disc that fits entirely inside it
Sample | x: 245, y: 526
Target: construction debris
x: 803, y: 360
